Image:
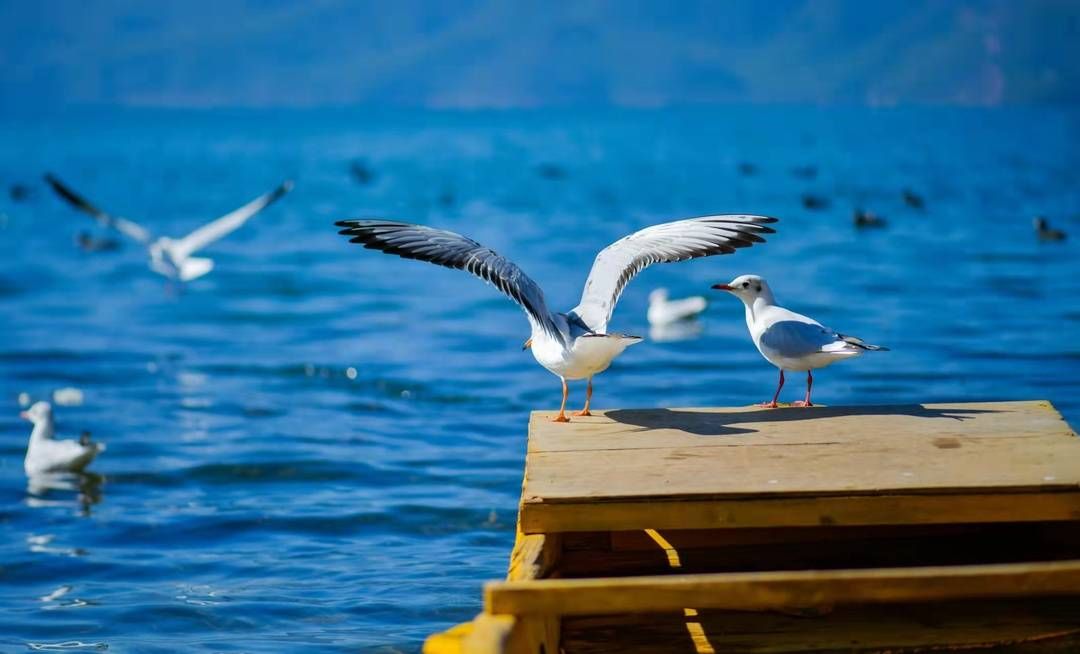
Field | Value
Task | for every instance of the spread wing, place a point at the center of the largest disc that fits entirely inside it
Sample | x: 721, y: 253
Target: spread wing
x: 619, y: 262
x: 122, y: 225
x: 454, y: 251
x: 230, y: 222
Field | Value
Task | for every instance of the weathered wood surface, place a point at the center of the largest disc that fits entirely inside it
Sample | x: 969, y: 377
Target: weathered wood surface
x: 780, y: 590
x: 749, y: 467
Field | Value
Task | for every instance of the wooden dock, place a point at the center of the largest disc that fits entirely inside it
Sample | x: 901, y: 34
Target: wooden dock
x: 853, y: 529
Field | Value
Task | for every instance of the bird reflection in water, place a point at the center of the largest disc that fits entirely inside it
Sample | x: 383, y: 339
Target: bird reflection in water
x: 683, y: 330
x: 55, y: 489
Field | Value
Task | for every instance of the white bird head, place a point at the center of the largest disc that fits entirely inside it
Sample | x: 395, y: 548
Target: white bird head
x: 39, y: 412
x: 747, y: 288
x: 658, y: 295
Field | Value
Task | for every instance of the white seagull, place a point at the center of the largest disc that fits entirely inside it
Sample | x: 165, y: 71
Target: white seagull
x: 576, y: 344
x: 168, y: 256
x: 665, y: 311
x: 788, y: 340
x: 46, y: 454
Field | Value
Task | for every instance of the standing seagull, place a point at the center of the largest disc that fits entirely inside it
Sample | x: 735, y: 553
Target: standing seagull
x: 788, y: 340
x: 46, y: 454
x: 576, y: 344
x: 172, y: 257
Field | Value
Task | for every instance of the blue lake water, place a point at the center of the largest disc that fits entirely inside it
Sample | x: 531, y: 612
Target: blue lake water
x: 318, y: 445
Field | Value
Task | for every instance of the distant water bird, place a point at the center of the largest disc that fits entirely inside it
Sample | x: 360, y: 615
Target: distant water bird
x: 551, y: 171
x: 19, y: 192
x: 46, y: 454
x: 805, y: 172
x: 576, y: 344
x: 362, y: 173
x: 788, y: 340
x: 747, y: 169
x: 814, y: 202
x: 913, y: 199
x: 862, y: 218
x: 664, y: 311
x: 172, y: 257
x: 1047, y: 233
x: 88, y: 243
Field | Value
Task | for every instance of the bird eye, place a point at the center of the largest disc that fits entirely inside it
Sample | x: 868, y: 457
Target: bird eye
x: 746, y: 284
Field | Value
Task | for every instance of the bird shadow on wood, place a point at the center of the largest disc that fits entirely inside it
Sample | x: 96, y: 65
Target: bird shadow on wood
x: 724, y: 424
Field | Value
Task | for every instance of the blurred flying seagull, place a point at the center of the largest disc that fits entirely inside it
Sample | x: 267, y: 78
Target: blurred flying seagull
x: 172, y: 257
x: 788, y: 340
x: 576, y: 344
x: 46, y: 454
x: 664, y: 311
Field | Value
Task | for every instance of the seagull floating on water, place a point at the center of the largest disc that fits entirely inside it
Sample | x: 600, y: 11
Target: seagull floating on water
x: 576, y: 344
x: 172, y: 257
x: 46, y: 454
x: 1045, y: 232
x: 664, y: 311
x: 862, y: 218
x: 788, y: 340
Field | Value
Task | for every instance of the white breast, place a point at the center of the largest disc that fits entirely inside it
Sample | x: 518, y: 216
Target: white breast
x: 586, y: 356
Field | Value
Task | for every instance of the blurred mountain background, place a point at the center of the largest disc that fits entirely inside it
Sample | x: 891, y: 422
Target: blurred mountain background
x: 489, y: 54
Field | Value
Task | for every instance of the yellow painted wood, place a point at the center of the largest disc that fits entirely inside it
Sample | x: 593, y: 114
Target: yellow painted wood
x: 449, y: 641
x: 490, y: 634
x: 773, y: 590
x: 800, y: 512
x: 533, y: 556
x: 709, y: 468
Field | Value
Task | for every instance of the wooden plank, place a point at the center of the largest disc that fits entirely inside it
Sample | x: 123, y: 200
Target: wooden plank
x: 490, y: 634
x: 614, y: 465
x: 997, y: 625
x: 774, y: 590
x: 658, y: 513
x: 449, y: 641
x: 1022, y: 447
x: 534, y: 557
x: 621, y: 429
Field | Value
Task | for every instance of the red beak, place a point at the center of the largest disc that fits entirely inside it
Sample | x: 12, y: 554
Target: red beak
x: 24, y: 415
x: 722, y: 287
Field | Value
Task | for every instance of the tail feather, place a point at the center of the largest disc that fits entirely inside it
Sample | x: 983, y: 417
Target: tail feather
x: 859, y: 343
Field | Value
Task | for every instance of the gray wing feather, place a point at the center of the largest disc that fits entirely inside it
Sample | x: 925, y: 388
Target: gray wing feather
x: 793, y: 338
x: 454, y: 251
x: 619, y: 262
x: 122, y: 225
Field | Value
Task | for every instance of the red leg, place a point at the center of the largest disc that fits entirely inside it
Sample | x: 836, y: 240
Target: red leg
x: 562, y: 407
x: 809, y: 385
x: 773, y: 404
x: 588, y: 399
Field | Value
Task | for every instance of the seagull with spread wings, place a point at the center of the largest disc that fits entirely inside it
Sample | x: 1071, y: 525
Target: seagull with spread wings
x: 576, y: 344
x: 168, y: 256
